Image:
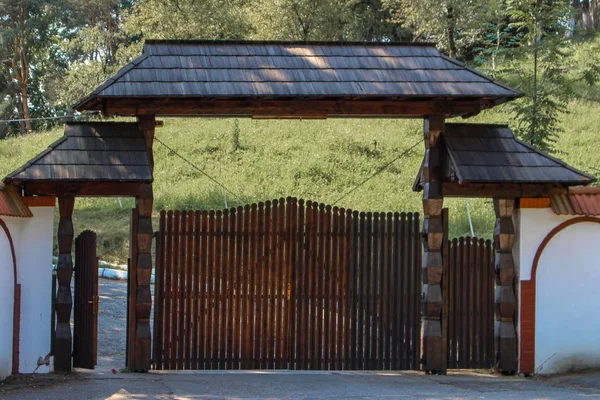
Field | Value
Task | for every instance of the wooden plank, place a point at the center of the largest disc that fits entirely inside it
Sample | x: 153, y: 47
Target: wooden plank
x: 175, y: 292
x: 349, y: 280
x: 231, y: 287
x: 304, y: 233
x: 362, y: 292
x: 168, y: 308
x: 396, y: 296
x: 379, y: 282
x: 261, y: 290
x: 287, y: 233
x: 341, y: 285
x: 239, y: 288
x: 196, y: 322
x: 387, y: 292
x: 445, y: 293
x: 354, y: 257
x: 189, y: 311
x: 270, y: 250
x: 406, y: 291
x: 415, y: 322
x: 159, y: 296
x: 246, y: 299
x: 223, y: 290
x: 204, y: 301
x: 326, y: 291
x: 320, y: 292
x: 312, y: 252
x: 254, y: 338
x: 210, y: 266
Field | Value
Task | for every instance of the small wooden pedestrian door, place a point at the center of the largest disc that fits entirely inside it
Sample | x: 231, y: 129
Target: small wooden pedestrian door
x: 287, y: 285
x: 85, y: 316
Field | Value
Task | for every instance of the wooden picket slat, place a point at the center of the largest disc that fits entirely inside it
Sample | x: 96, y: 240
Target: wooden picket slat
x: 289, y: 284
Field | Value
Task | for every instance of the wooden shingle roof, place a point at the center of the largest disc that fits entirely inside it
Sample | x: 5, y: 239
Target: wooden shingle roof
x: 483, y: 153
x: 91, y: 151
x: 302, y: 70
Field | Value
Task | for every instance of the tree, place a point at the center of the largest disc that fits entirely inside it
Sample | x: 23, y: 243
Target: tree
x: 454, y: 24
x: 298, y: 19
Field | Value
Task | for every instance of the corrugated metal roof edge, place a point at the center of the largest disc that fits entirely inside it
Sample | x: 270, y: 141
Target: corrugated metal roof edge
x: 10, y: 199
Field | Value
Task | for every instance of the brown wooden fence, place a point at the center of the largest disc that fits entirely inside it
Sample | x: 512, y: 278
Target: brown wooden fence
x: 287, y: 284
x: 471, y: 279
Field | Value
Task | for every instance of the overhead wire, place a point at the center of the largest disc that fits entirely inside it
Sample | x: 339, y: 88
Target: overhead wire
x: 191, y: 164
x: 380, y: 170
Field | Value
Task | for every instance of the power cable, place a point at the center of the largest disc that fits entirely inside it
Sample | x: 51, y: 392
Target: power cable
x: 191, y: 164
x: 377, y: 172
x: 41, y: 118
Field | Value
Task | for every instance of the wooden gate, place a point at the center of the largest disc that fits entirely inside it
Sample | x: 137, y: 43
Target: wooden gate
x: 470, y: 292
x: 287, y: 284
x: 85, y: 315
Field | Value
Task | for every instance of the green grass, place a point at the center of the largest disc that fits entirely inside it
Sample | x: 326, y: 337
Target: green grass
x: 314, y: 160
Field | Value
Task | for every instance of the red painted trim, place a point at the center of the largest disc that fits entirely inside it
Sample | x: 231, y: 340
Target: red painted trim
x: 39, y: 201
x: 527, y: 353
x: 534, y: 203
x: 16, y: 304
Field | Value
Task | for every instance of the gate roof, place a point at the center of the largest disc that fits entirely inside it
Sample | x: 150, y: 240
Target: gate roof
x: 266, y: 78
x: 89, y: 155
x: 481, y: 156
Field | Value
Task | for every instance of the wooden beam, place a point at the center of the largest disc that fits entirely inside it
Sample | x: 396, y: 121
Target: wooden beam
x: 506, y: 299
x: 84, y: 189
x: 290, y: 108
x: 64, y: 299
x: 513, y: 190
x: 140, y: 273
x: 433, y: 233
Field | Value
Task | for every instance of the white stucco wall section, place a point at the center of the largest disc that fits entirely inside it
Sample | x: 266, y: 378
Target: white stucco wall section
x: 34, y: 254
x: 6, y: 305
x: 567, y: 300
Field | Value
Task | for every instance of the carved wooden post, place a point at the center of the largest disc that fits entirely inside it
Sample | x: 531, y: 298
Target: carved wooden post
x: 64, y: 299
x: 504, y: 237
x: 141, y: 265
x: 433, y: 232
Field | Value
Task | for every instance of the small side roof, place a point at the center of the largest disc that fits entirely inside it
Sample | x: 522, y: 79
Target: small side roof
x: 90, y: 152
x: 491, y: 154
x: 12, y: 204
x: 578, y: 201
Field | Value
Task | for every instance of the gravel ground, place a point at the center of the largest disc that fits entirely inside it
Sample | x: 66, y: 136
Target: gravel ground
x: 112, y: 324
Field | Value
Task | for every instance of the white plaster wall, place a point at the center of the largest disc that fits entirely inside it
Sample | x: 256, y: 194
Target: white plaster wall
x: 34, y: 254
x: 6, y: 305
x: 33, y: 239
x: 567, y: 300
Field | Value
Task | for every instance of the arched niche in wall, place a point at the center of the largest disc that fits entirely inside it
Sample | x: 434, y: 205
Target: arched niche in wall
x: 559, y: 304
x: 9, y: 363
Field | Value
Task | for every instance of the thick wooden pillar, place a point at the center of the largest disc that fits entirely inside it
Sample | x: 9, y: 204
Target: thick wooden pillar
x: 64, y: 299
x: 433, y: 234
x: 141, y: 267
x: 504, y: 237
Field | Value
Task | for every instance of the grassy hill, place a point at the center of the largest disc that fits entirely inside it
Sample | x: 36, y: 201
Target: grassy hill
x: 317, y: 160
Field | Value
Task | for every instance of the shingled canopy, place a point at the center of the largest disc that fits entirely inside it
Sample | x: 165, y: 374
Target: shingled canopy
x: 302, y: 79
x: 92, y: 158
x: 484, y: 156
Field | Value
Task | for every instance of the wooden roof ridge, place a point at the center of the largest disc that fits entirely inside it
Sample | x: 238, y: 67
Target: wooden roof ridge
x: 288, y: 42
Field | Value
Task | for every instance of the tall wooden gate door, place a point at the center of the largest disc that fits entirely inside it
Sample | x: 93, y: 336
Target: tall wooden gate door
x: 287, y: 285
x: 85, y: 315
x: 471, y: 279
